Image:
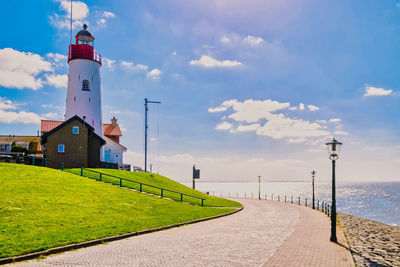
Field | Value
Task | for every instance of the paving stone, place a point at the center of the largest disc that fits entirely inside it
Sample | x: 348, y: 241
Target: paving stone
x: 264, y: 233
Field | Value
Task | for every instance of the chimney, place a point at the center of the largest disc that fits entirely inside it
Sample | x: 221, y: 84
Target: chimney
x: 114, y: 122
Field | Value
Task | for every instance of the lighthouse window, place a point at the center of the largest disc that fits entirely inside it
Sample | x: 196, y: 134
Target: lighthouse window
x: 85, y: 85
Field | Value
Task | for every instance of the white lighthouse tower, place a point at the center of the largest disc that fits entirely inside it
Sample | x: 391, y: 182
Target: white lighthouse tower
x: 84, y: 83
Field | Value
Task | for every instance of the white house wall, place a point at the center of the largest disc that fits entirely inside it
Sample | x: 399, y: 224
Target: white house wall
x: 116, y: 152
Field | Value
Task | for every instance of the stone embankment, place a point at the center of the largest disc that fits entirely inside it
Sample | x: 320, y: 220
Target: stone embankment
x: 372, y: 243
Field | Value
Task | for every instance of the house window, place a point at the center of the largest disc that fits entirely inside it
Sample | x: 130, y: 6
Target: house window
x: 75, y: 129
x: 60, y: 148
x: 85, y: 85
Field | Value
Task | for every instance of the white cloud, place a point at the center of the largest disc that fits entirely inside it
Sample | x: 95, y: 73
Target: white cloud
x: 301, y: 106
x: 373, y: 91
x: 9, y: 113
x: 108, y: 63
x: 209, y: 62
x: 253, y: 40
x: 57, y: 80
x: 335, y: 120
x: 131, y: 66
x: 224, y: 126
x: 174, y: 53
x: 57, y: 59
x: 261, y: 117
x: 52, y: 116
x: 225, y: 40
x: 312, y: 108
x: 108, y: 14
x: 154, y: 74
x: 248, y: 128
x: 105, y: 17
x: 250, y: 110
x: 218, y: 109
x: 80, y: 11
x: 20, y: 69
x: 293, y: 108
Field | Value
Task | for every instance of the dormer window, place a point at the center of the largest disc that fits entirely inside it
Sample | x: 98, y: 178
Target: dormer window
x: 85, y: 85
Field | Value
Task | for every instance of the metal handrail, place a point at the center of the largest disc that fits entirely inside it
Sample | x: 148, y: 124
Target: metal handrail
x: 141, y: 185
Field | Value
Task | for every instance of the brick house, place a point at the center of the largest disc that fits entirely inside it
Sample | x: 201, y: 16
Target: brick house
x: 113, y: 149
x: 74, y: 143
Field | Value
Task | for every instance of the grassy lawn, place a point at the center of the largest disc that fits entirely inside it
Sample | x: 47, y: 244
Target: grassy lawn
x: 159, y: 181
x: 42, y: 208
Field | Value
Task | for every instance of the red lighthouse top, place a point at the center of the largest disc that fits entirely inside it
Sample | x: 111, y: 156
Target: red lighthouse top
x: 83, y: 47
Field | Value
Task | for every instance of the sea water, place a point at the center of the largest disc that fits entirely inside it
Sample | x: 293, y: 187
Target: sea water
x: 379, y: 201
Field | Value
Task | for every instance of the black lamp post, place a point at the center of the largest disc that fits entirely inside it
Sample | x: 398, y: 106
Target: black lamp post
x: 333, y: 150
x: 313, y: 196
x: 259, y: 187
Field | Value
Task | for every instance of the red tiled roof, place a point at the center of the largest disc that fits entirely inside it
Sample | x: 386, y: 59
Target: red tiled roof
x: 48, y: 125
x: 108, y: 129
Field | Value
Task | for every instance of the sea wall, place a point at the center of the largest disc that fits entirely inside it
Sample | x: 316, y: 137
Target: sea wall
x: 371, y: 243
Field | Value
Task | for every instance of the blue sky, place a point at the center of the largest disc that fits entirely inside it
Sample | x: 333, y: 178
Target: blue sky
x: 247, y: 87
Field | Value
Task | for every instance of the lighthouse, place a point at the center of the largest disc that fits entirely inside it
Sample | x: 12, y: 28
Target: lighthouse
x: 84, y: 83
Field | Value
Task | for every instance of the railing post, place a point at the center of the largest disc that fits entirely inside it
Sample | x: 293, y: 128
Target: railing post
x: 181, y: 197
x: 285, y: 198
x: 81, y: 171
x: 306, y: 202
x: 317, y: 204
x: 140, y: 187
x: 120, y: 182
x: 62, y: 166
x: 202, y: 201
x: 100, y: 177
x: 291, y: 199
x: 272, y: 197
x: 162, y: 192
x: 33, y: 160
x: 299, y: 200
x: 279, y: 198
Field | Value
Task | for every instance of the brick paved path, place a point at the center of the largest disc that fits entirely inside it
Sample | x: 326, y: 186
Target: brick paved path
x: 264, y: 233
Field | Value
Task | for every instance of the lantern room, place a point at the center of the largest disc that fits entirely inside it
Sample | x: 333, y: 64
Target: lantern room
x: 83, y: 47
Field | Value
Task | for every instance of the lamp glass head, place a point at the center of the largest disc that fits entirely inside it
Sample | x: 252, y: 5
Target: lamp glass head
x: 334, y: 147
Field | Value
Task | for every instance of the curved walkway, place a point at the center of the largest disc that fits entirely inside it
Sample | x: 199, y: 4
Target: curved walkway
x: 265, y: 233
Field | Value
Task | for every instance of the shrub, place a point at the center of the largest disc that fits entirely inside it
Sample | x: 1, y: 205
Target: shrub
x: 18, y: 148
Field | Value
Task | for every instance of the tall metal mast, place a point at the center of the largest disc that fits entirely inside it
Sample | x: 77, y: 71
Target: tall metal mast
x: 146, y: 108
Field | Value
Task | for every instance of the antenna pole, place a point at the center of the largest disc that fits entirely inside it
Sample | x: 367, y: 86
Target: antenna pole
x: 70, y: 27
x: 146, y: 108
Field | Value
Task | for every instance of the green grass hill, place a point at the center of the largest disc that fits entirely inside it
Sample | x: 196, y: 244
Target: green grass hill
x: 41, y: 208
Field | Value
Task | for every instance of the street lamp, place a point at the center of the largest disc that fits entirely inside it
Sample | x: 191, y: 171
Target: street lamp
x: 333, y: 151
x: 313, y: 196
x: 259, y: 187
